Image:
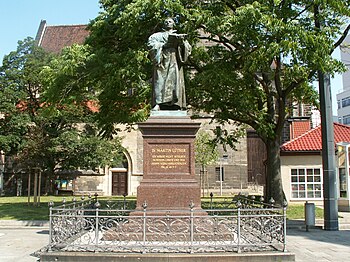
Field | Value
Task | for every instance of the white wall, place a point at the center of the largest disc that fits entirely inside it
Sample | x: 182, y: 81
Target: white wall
x: 345, y: 58
x: 290, y: 162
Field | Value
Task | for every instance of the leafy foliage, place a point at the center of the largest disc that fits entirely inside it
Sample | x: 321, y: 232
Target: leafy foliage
x: 206, y: 153
x: 42, y: 127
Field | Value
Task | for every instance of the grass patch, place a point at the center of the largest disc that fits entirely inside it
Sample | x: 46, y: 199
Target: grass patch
x: 296, y: 211
x: 17, y: 208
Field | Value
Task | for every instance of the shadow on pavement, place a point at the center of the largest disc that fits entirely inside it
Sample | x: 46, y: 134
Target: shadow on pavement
x: 341, y: 237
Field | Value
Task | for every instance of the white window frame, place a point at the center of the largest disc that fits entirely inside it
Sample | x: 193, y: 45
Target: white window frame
x: 303, y: 178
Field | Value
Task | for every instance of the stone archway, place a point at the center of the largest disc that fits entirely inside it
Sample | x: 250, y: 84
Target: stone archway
x: 120, y: 179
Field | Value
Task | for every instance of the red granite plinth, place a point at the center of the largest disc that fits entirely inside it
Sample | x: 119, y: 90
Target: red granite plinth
x: 169, y: 194
x: 168, y: 164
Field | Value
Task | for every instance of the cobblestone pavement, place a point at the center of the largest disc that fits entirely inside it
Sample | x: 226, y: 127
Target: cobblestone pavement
x: 319, y: 245
x: 17, y: 244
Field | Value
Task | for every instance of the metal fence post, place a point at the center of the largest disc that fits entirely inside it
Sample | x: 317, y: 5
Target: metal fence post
x: 82, y: 201
x: 191, y: 226
x: 97, y: 205
x: 285, y: 205
x: 239, y: 204
x: 51, y: 204
x: 124, y: 201
x: 144, y: 205
x: 74, y: 200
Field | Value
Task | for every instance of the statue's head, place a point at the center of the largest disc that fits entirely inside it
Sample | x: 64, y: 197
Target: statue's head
x: 169, y: 23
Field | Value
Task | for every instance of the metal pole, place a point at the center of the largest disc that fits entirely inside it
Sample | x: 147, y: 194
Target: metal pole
x: 220, y: 176
x: 96, y: 227
x: 144, y: 205
x: 191, y: 226
x: 239, y: 227
x: 51, y: 204
x: 328, y: 155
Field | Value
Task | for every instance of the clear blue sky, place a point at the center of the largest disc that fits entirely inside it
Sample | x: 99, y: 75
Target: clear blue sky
x: 21, y: 18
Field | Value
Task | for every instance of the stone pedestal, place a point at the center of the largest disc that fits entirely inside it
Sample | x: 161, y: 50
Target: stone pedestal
x: 168, y: 164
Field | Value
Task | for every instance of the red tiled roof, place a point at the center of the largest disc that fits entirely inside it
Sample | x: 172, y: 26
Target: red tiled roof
x: 299, y: 127
x: 55, y: 38
x: 312, y: 141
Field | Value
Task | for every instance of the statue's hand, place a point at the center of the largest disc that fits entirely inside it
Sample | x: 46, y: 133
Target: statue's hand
x: 160, y: 65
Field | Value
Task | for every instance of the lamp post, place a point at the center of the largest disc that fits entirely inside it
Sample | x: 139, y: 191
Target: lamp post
x: 223, y: 159
x: 328, y: 156
x: 328, y: 151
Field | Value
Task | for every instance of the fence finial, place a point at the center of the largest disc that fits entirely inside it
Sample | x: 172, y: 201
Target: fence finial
x: 144, y: 205
x: 191, y: 204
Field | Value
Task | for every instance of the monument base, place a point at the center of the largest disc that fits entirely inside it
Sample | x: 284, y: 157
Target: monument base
x: 174, y: 196
x: 168, y: 169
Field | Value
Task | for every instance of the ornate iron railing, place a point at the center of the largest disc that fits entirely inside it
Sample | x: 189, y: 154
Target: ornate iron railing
x: 111, y: 227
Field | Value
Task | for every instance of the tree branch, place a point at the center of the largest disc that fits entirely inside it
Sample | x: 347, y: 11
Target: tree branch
x: 277, y: 77
x: 341, y: 39
x: 301, y: 12
x: 222, y: 40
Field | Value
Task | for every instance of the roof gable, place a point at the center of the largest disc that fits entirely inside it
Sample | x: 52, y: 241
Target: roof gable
x: 312, y: 140
x: 54, y: 38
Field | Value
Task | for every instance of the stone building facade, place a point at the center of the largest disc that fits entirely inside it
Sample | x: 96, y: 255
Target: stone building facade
x: 125, y: 179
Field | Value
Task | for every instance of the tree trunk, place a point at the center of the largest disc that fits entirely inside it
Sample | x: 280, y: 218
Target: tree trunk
x: 274, y: 188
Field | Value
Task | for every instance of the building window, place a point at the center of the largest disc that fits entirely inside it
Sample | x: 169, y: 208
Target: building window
x: 339, y: 104
x: 346, y: 120
x: 345, y: 101
x: 217, y: 173
x: 306, y: 183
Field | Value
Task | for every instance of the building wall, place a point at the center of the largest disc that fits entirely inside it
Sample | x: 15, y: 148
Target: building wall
x: 296, y: 162
x: 234, y: 166
x: 133, y: 143
x: 343, y: 101
x: 345, y: 57
x: 234, y: 169
x: 343, y: 106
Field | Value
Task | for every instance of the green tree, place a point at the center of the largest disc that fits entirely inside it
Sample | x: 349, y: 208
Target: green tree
x: 265, y: 54
x: 206, y: 153
x: 19, y: 85
x: 40, y: 133
x: 250, y: 58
